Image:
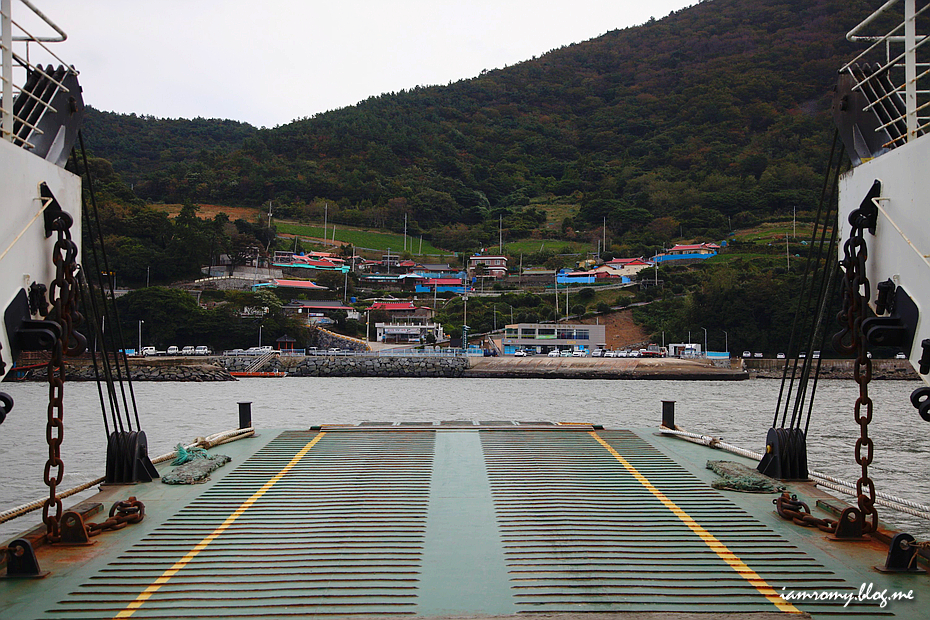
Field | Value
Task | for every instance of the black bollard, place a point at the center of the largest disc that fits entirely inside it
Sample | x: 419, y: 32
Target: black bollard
x: 245, y: 414
x: 668, y: 414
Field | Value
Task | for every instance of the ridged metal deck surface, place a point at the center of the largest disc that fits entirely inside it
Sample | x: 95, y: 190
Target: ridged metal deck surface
x: 607, y: 523
x: 454, y: 521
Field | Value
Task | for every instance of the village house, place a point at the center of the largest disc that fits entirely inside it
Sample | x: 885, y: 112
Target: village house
x: 697, y: 251
x: 493, y: 266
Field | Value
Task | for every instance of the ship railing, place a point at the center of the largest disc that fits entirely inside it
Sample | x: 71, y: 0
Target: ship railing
x: 13, y: 33
x: 906, y: 87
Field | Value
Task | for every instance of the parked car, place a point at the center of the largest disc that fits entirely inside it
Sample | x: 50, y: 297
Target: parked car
x: 565, y: 353
x: 610, y: 353
x: 202, y: 350
x: 780, y: 356
x: 816, y: 355
x: 519, y: 353
x: 757, y: 355
x: 553, y: 353
x: 900, y: 356
x: 172, y: 350
x: 747, y: 354
x: 597, y: 353
x: 189, y: 350
x: 802, y: 354
x: 623, y: 353
x: 147, y: 351
x: 579, y: 353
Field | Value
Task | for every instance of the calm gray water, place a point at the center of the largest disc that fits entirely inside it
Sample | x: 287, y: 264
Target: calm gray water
x: 739, y: 411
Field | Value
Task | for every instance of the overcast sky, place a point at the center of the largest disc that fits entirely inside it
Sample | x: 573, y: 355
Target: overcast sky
x: 271, y: 61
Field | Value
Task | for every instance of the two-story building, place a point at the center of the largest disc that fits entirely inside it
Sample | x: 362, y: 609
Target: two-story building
x: 545, y: 337
x: 481, y: 265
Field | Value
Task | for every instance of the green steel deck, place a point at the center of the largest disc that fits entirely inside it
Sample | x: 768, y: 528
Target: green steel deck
x: 455, y: 519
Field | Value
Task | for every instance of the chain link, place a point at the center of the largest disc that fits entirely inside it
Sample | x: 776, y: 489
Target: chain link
x: 122, y: 513
x: 62, y: 293
x: 855, y: 309
x: 790, y: 507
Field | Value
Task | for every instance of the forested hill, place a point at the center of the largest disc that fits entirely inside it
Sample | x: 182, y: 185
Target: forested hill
x: 713, y: 111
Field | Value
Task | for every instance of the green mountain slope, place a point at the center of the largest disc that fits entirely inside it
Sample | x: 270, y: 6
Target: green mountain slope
x: 717, y: 111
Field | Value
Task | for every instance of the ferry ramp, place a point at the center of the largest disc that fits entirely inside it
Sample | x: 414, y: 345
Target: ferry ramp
x: 455, y: 519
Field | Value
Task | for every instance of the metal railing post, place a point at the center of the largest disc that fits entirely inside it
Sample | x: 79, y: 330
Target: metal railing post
x: 6, y: 73
x: 910, y: 68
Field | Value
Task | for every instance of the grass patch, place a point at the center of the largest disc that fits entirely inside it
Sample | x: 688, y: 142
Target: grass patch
x: 532, y: 246
x: 364, y: 239
x: 556, y: 212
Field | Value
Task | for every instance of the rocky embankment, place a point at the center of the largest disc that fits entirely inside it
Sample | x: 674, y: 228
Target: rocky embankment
x: 900, y: 370
x: 147, y: 369
x: 356, y: 366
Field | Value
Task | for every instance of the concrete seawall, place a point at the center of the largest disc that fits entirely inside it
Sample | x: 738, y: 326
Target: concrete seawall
x: 601, y: 368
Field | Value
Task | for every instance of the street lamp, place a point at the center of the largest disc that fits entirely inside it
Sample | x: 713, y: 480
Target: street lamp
x: 140, y: 336
x: 260, y: 335
x: 726, y: 341
x: 705, y: 341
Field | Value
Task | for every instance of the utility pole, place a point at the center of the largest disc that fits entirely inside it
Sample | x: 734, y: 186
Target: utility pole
x: 556, y: 296
x: 405, y: 232
x: 604, y: 245
x: 325, y: 214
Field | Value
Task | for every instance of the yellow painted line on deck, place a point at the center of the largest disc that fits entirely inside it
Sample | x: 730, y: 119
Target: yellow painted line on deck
x: 203, y: 544
x: 741, y: 568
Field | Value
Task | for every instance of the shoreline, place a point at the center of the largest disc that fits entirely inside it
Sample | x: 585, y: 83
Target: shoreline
x: 219, y: 368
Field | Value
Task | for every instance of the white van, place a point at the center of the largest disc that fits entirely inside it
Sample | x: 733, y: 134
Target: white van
x: 172, y: 350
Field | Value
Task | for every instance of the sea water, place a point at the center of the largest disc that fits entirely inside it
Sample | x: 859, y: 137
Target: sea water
x: 738, y: 411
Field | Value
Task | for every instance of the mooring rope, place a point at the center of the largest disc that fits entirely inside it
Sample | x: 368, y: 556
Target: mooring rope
x: 216, y: 439
x: 837, y: 484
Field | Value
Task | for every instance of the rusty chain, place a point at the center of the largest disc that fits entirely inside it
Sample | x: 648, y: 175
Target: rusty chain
x: 62, y: 294
x: 122, y: 513
x: 855, y: 309
x: 791, y: 508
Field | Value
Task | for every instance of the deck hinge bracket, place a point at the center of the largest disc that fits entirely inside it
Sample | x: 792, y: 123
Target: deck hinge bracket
x: 21, y: 562
x: 74, y: 530
x: 849, y: 527
x: 901, y: 556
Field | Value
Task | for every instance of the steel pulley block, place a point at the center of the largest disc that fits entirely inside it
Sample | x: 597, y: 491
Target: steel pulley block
x: 6, y: 404
x: 920, y: 398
